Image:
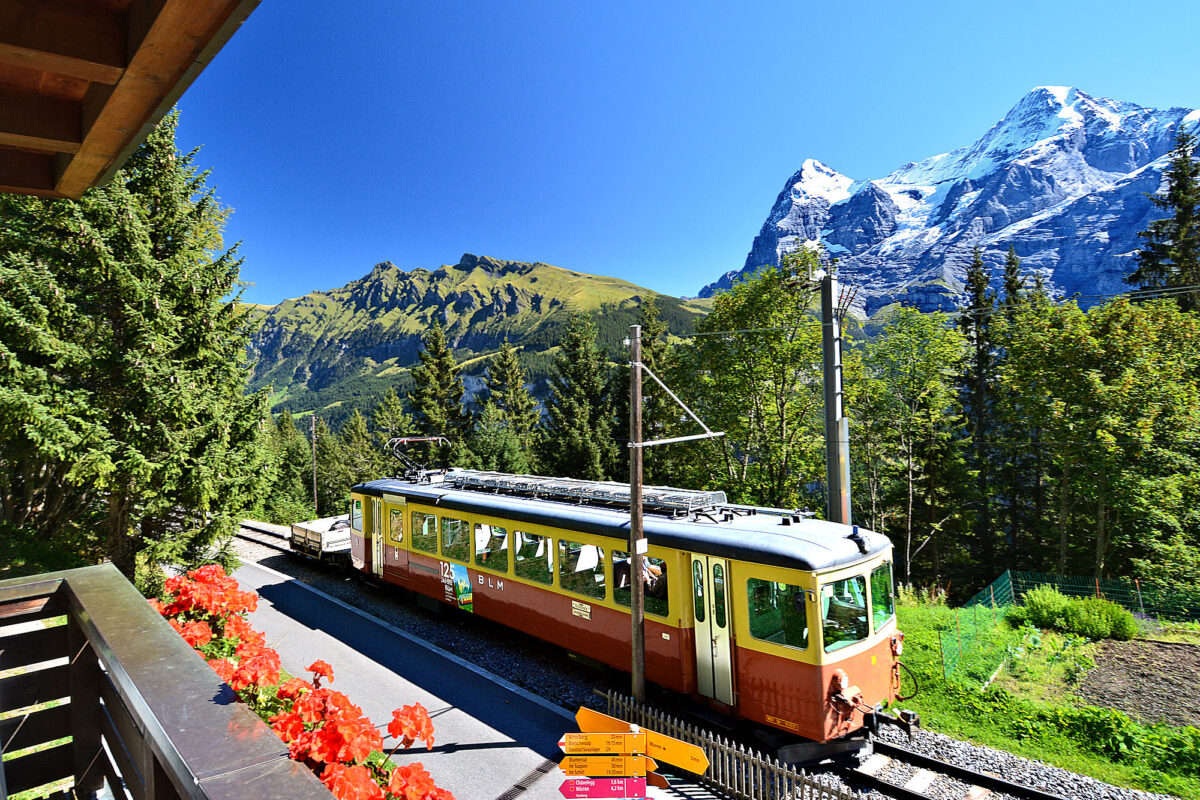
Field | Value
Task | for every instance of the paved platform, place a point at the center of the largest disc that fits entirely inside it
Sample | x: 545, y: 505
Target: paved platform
x: 492, y: 738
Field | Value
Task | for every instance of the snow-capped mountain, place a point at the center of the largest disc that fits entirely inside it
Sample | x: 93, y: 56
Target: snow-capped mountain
x: 1064, y: 178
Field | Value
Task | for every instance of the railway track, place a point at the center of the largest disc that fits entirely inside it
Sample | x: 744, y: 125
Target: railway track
x: 901, y: 773
x: 264, y: 538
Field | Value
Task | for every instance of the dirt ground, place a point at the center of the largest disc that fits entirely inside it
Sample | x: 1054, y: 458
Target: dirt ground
x: 1150, y: 681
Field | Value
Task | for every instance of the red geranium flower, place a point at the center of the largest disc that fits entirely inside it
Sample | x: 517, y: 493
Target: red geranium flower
x: 288, y: 725
x: 351, y: 783
x: 320, y: 669
x: 410, y: 723
x: 411, y: 782
x: 224, y: 668
x: 197, y: 633
x: 292, y: 688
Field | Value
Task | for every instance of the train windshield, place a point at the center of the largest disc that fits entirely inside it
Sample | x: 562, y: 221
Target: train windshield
x: 844, y: 611
x: 883, y: 595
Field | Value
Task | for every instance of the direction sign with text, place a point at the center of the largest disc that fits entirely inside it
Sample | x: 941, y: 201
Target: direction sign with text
x: 574, y: 788
x: 660, y: 746
x: 584, y: 744
x: 608, y: 766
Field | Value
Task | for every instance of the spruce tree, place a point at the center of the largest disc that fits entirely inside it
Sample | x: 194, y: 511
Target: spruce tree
x: 390, y: 421
x: 1014, y: 465
x: 579, y: 442
x: 1014, y: 285
x: 437, y: 395
x: 497, y: 445
x: 157, y: 357
x: 293, y: 478
x: 1170, y: 257
x: 506, y: 389
x: 976, y: 325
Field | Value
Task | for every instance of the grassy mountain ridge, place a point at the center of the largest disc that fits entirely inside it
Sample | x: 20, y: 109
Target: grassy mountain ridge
x: 340, y: 349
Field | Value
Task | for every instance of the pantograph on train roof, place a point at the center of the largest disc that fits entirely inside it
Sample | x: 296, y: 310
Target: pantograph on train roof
x: 603, y: 493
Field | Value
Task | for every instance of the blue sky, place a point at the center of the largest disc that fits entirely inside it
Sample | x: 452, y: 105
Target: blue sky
x: 643, y: 140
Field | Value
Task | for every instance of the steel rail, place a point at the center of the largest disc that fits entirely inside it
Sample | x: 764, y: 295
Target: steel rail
x: 962, y: 773
x: 894, y: 790
x: 282, y: 548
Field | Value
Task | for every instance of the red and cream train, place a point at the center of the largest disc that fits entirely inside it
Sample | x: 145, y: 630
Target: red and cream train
x: 763, y: 614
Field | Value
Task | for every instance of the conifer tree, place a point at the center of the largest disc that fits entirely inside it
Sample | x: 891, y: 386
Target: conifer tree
x: 976, y: 325
x: 579, y: 441
x: 292, y: 492
x: 333, y: 477
x: 506, y: 389
x: 174, y: 449
x: 437, y: 395
x: 1170, y: 257
x: 1014, y: 285
x: 390, y: 421
x: 497, y: 445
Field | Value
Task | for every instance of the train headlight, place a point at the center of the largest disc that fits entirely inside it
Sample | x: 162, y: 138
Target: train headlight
x: 898, y: 645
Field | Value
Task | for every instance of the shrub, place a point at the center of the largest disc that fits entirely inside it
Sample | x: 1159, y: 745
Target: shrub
x: 1092, y: 617
x: 1016, y: 615
x: 1046, y: 607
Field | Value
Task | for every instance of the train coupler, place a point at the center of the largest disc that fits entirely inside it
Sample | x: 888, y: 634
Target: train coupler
x: 903, y: 719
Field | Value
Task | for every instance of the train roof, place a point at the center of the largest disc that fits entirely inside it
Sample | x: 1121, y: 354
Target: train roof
x: 758, y: 535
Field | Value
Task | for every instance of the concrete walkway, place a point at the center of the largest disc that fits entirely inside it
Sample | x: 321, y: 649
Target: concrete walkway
x: 492, y: 738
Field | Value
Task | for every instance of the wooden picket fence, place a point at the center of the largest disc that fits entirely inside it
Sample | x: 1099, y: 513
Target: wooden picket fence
x: 733, y: 768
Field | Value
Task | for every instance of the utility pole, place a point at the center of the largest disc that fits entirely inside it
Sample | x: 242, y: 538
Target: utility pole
x: 837, y: 426
x: 638, y: 546
x: 637, y: 537
x: 313, y: 428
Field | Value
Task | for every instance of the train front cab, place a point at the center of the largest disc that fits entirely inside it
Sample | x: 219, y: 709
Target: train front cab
x: 771, y: 641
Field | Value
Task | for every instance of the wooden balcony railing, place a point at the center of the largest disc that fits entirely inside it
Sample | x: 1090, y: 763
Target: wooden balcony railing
x: 97, y: 691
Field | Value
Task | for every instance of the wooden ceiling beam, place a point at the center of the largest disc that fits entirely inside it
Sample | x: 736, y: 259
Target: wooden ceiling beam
x: 40, y: 123
x: 64, y: 37
x: 27, y: 173
x: 162, y: 67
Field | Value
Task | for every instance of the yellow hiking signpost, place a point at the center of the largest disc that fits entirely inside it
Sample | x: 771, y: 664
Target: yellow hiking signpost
x: 583, y: 744
x: 608, y: 766
x: 658, y: 746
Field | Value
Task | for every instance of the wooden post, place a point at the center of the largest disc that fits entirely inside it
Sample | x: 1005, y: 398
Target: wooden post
x: 1138, y: 585
x: 313, y: 427
x: 958, y: 625
x: 637, y: 540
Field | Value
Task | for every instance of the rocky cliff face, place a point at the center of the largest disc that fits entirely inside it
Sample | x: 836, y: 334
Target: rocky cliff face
x: 1063, y: 178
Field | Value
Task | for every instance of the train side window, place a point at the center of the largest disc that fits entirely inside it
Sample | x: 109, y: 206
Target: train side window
x: 883, y: 595
x: 491, y: 547
x: 718, y: 576
x: 698, y: 589
x: 533, y: 557
x: 844, y: 611
x: 396, y: 527
x: 778, y: 612
x: 456, y: 543
x: 654, y: 571
x: 424, y: 532
x: 356, y: 515
x: 581, y: 568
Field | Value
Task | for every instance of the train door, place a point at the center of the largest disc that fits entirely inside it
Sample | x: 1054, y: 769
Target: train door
x: 395, y: 522
x: 376, y: 535
x: 710, y: 602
